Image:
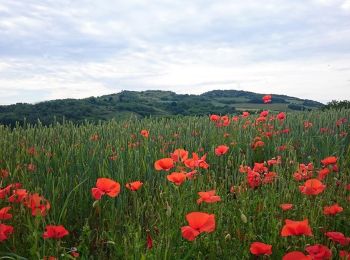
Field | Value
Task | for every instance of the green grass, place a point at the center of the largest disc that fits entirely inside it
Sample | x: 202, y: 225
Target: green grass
x: 116, y: 228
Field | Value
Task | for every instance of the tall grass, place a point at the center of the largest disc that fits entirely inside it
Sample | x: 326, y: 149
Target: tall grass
x: 68, y: 162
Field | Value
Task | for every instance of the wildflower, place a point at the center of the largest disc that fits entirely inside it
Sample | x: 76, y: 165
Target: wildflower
x: 258, y: 248
x: 264, y: 113
x: 329, y: 160
x: 195, y: 162
x: 312, y: 187
x: 199, y: 222
x: 296, y: 255
x: 319, y: 252
x: 177, y: 178
x: 4, y: 213
x: 5, y: 231
x: 18, y: 195
x: 144, y: 133
x: 344, y: 254
x: 235, y: 118
x: 214, y: 118
x: 38, y: 204
x: 269, y: 177
x: 4, y: 173
x: 208, y: 197
x: 55, y: 232
x: 332, y: 210
x: 164, y: 164
x: 221, y: 150
x: 338, y: 237
x: 105, y: 186
x: 179, y: 155
x: 253, y: 179
x: 149, y: 241
x: 266, y: 99
x: 286, y: 206
x: 134, y: 186
x: 296, y: 228
x: 323, y: 173
x: 245, y: 114
x: 31, y: 167
x: 281, y: 116
x: 94, y: 137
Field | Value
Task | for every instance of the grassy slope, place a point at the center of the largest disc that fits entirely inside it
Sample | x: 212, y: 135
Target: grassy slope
x: 148, y: 103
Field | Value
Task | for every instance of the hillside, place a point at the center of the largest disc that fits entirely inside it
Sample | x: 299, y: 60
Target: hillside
x: 148, y: 103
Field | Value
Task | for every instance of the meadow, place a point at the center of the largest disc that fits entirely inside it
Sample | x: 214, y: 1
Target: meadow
x: 178, y: 188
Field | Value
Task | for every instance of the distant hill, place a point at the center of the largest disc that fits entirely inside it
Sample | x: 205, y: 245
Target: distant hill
x: 148, y: 103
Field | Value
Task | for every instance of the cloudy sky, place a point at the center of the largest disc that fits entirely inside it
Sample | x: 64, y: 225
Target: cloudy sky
x: 52, y: 49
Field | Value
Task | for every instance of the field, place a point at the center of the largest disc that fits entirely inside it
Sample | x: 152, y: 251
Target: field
x: 52, y: 176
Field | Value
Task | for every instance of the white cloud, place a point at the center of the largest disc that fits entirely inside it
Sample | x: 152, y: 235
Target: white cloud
x: 60, y: 49
x: 346, y: 5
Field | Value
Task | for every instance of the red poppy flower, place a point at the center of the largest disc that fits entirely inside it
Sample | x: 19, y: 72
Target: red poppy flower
x: 245, y: 114
x: 55, y: 232
x: 208, y: 197
x: 312, y: 187
x: 329, y: 160
x: 344, y: 254
x: 286, y: 206
x: 105, y: 186
x: 296, y: 255
x: 144, y: 133
x: 235, y: 118
x: 4, y: 213
x: 38, y: 204
x: 253, y: 179
x: 264, y: 113
x: 5, y: 231
x: 198, y: 222
x: 266, y: 99
x: 179, y: 155
x: 191, y: 175
x: 7, y: 190
x: 18, y: 196
x: 149, y: 241
x: 332, y: 210
x: 319, y: 252
x: 258, y: 248
x: 296, y: 228
x: 323, y: 173
x: 214, y: 118
x: 31, y: 167
x: 164, y: 164
x: 338, y: 237
x: 195, y: 162
x: 4, y: 173
x: 134, y: 186
x: 269, y: 177
x: 177, y: 178
x: 281, y: 116
x: 260, y: 168
x: 221, y: 149
x: 224, y: 121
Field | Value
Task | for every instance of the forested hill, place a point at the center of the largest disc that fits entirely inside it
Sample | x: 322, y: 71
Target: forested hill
x: 146, y: 103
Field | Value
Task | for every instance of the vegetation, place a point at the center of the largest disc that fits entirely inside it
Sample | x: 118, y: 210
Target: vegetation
x: 144, y: 104
x: 334, y: 104
x: 60, y: 206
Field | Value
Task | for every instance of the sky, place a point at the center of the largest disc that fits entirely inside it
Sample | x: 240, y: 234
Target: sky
x: 54, y: 49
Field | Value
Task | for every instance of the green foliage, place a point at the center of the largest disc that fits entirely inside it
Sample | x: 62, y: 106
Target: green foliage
x: 334, y: 104
x: 68, y: 162
x: 144, y: 104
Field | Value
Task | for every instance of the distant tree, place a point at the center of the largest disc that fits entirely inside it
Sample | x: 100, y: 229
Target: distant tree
x: 335, y: 104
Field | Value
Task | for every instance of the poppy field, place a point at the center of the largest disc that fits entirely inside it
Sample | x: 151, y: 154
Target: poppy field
x: 262, y: 185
